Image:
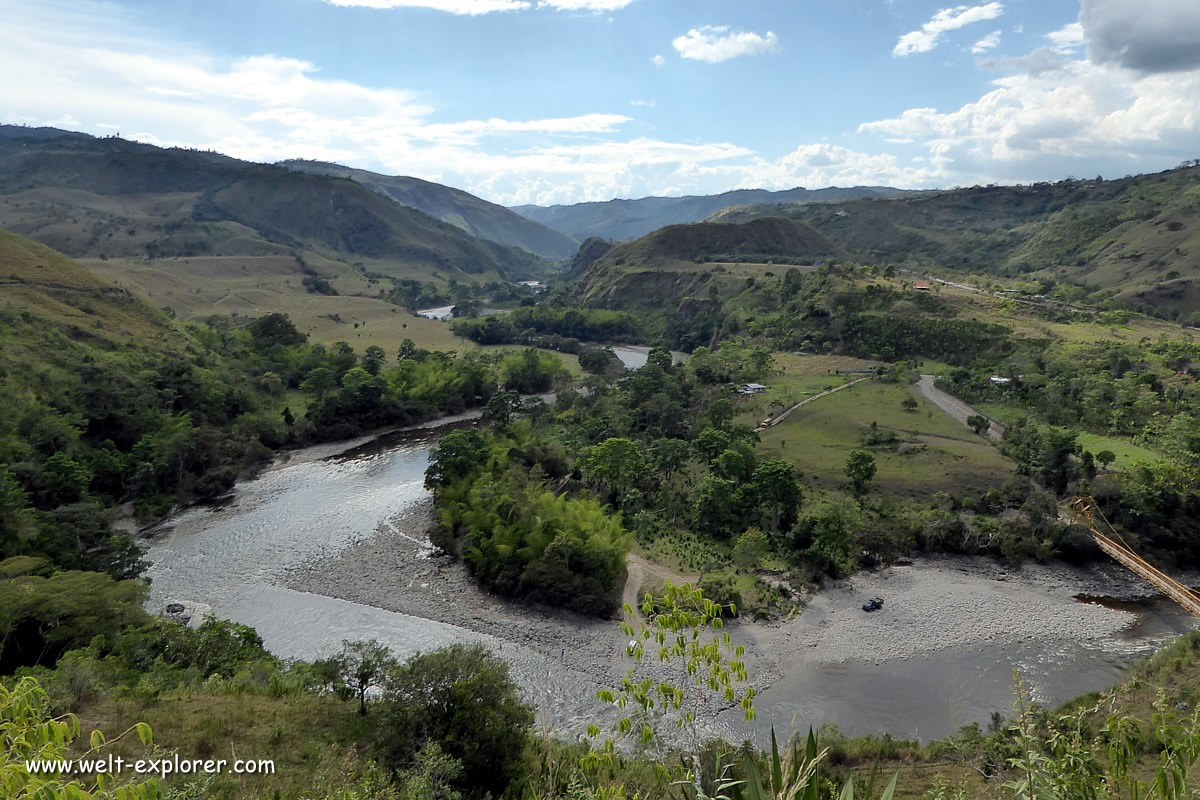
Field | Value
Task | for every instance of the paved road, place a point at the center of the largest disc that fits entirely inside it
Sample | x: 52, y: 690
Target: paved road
x: 782, y: 416
x: 954, y: 407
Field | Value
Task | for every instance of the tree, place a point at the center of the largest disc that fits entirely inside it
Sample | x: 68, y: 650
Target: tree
x: 616, y: 463
x: 374, y: 359
x: 408, y: 348
x: 668, y: 455
x: 598, y: 360
x: 318, y: 382
x: 909, y: 404
x: 711, y: 443
x: 777, y: 488
x: 359, y: 667
x: 1106, y: 457
x: 463, y: 699
x: 750, y: 549
x: 501, y: 407
x: 979, y: 423
x: 715, y: 507
x: 660, y: 357
x: 275, y: 330
x: 454, y: 456
x: 66, y: 480
x: 860, y: 469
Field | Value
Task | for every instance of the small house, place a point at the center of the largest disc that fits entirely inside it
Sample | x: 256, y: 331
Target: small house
x: 753, y: 388
x: 999, y: 381
x: 922, y: 286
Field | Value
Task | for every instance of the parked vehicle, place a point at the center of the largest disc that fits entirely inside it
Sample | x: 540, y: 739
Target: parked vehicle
x: 874, y: 604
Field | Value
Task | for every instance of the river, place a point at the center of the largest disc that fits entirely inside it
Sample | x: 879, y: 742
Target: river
x: 329, y: 545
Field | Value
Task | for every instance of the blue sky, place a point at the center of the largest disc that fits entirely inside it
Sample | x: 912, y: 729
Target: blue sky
x: 568, y: 100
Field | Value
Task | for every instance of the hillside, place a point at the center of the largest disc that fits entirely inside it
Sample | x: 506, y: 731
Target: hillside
x: 681, y: 261
x: 1134, y: 241
x: 622, y: 220
x: 474, y: 215
x: 104, y: 198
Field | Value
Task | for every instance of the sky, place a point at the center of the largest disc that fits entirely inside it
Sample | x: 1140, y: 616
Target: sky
x: 563, y: 101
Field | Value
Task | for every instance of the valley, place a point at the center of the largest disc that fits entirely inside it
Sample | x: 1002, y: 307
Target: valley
x: 256, y: 425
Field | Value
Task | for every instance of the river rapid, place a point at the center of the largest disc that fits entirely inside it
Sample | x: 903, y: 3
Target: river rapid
x: 330, y: 544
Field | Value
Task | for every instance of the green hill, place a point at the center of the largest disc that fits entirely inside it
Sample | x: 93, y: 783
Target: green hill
x: 474, y: 215
x: 1134, y: 242
x: 102, y: 198
x: 623, y: 220
x: 682, y: 261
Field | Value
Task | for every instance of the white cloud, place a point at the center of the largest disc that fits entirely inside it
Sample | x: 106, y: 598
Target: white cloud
x: 658, y: 60
x: 465, y: 7
x: 716, y: 43
x: 1067, y: 38
x: 271, y: 107
x: 948, y: 19
x: 1049, y: 118
x: 584, y: 5
x: 992, y: 40
x: 477, y: 7
x: 640, y: 103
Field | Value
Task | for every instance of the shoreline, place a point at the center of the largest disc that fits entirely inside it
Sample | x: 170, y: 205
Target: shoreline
x: 938, y: 605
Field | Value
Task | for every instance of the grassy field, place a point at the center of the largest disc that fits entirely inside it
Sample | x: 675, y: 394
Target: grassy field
x: 799, y: 377
x: 1128, y: 454
x: 945, y: 455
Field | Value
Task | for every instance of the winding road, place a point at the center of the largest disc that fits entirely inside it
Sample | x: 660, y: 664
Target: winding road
x: 955, y: 407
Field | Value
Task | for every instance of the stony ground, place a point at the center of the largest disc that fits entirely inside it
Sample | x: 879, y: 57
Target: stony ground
x: 564, y: 658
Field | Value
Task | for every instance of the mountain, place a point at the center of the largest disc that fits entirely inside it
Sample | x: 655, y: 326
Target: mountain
x: 682, y: 262
x: 1132, y: 242
x: 474, y: 215
x: 108, y: 197
x: 622, y: 220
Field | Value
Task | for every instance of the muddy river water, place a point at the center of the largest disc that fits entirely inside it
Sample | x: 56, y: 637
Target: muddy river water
x: 330, y: 545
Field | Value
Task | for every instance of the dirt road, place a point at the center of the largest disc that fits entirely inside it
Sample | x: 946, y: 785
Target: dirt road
x: 955, y: 407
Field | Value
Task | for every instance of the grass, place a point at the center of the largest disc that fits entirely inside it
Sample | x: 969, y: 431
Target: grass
x: 312, y: 740
x: 800, y: 377
x: 1128, y: 454
x: 819, y: 437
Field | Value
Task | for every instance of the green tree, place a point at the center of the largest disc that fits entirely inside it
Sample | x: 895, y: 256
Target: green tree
x: 777, y: 489
x: 318, y: 382
x: 715, y: 507
x: 615, y: 463
x: 501, y: 408
x: 359, y: 667
x: 750, y: 549
x: 275, y: 330
x: 860, y: 469
x: 979, y: 423
x: 456, y: 455
x: 374, y: 359
x: 668, y: 455
x: 66, y: 480
x: 1106, y: 458
x: 463, y: 699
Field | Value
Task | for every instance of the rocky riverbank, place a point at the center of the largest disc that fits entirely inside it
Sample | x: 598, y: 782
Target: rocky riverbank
x: 937, y: 605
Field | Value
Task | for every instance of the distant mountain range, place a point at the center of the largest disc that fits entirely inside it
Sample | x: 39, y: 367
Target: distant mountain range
x: 94, y: 197
x: 1134, y: 241
x: 477, y: 217
x: 622, y: 220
